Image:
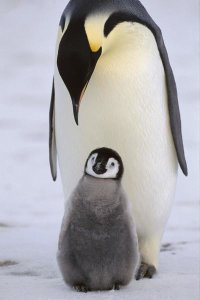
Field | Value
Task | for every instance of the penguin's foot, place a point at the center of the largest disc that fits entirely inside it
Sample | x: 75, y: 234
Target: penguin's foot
x: 81, y: 288
x: 145, y: 271
x: 117, y: 286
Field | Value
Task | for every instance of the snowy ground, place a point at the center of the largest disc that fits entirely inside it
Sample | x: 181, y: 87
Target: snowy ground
x: 32, y: 205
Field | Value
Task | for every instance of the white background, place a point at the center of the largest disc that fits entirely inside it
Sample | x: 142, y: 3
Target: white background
x: 31, y: 205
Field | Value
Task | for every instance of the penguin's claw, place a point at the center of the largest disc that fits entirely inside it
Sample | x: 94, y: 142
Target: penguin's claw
x: 81, y: 288
x: 145, y: 271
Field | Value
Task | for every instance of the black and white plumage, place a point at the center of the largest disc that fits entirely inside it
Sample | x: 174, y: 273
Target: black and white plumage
x: 113, y: 77
x: 98, y: 247
x: 120, y: 11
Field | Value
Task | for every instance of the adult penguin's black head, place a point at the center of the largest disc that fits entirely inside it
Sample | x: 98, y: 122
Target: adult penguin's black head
x: 76, y: 60
x: 86, y: 26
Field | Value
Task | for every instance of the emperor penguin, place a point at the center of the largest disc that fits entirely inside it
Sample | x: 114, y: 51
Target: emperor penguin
x: 98, y: 245
x: 113, y: 86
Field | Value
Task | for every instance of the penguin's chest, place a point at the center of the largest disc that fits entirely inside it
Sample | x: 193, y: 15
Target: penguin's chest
x: 125, y: 104
x: 131, y: 94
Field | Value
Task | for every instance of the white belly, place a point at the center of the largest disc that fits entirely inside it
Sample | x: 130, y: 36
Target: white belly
x: 124, y: 108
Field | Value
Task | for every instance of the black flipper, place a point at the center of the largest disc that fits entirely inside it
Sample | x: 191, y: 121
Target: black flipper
x: 174, y: 114
x: 52, y: 137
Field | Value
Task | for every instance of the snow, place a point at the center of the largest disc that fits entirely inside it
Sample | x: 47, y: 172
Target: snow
x: 32, y: 205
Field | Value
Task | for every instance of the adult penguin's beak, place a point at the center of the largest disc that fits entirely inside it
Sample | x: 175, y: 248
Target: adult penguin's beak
x: 76, y: 62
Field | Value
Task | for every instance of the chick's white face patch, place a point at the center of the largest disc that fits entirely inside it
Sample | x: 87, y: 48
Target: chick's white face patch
x: 112, y: 167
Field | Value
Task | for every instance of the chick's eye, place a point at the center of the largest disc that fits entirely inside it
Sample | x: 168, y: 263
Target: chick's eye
x: 112, y: 164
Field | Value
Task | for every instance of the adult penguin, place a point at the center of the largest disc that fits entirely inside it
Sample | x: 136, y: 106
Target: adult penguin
x: 113, y: 78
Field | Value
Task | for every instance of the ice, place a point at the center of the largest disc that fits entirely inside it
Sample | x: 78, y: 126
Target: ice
x: 32, y: 205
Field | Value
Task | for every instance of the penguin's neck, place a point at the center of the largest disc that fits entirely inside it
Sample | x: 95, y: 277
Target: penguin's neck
x: 128, y: 44
x: 99, y: 186
x: 99, y: 192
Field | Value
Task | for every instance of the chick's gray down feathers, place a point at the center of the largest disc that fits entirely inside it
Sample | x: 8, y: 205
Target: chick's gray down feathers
x: 98, y: 246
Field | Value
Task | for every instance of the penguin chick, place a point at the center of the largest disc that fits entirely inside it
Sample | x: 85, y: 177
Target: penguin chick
x: 98, y: 247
